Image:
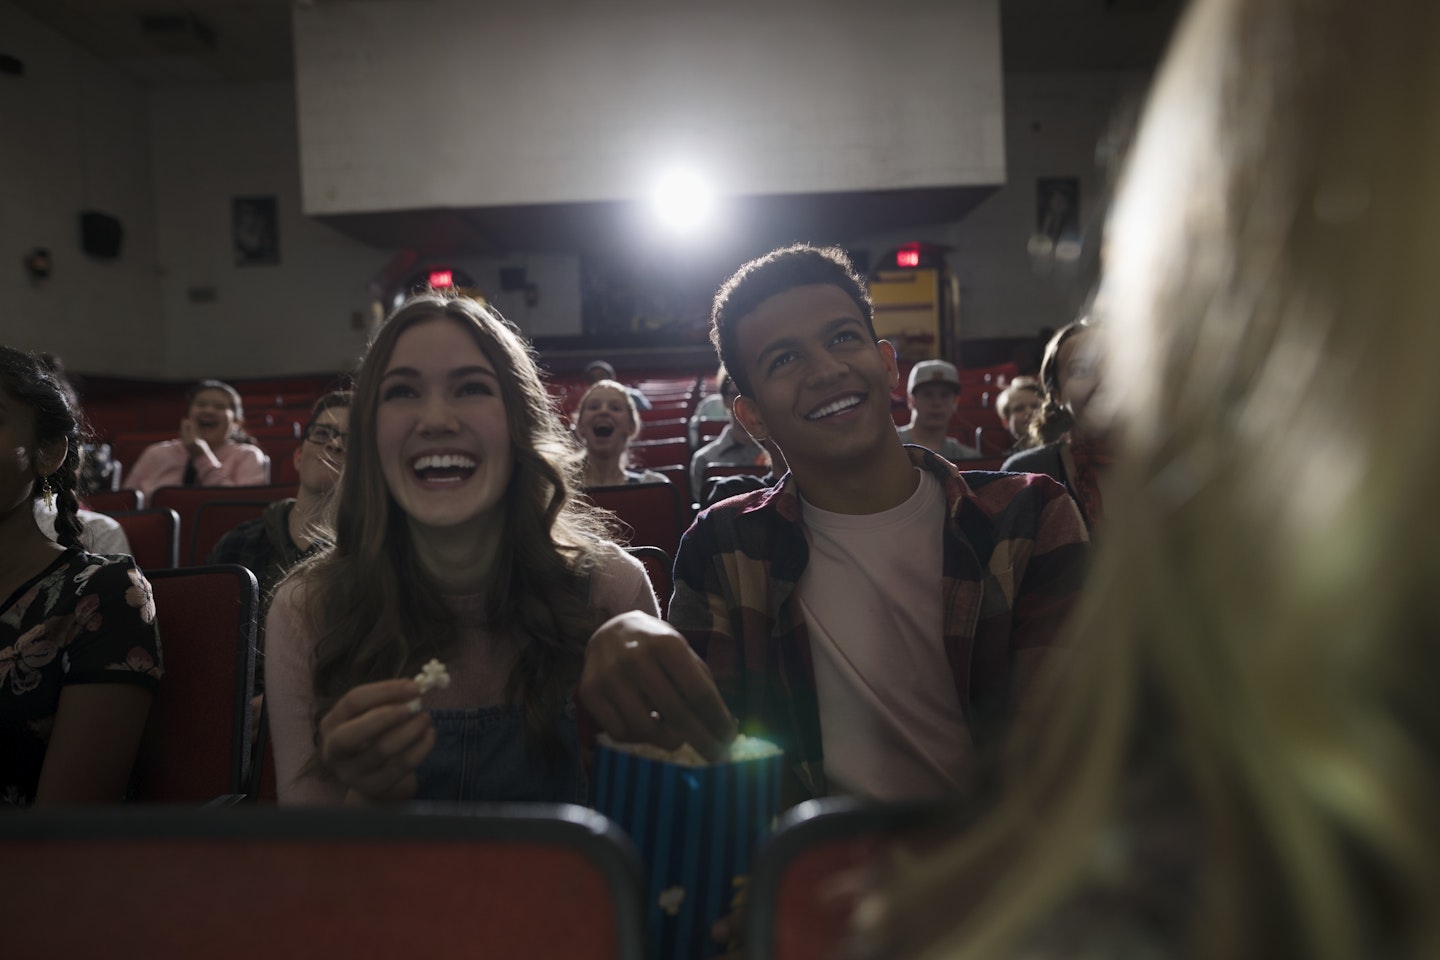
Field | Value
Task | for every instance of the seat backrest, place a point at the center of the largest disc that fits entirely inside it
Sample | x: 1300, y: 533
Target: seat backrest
x: 154, y: 536
x: 679, y: 474
x: 661, y: 571
x: 502, y: 880
x: 215, y: 519
x: 822, y: 858
x: 196, y: 744
x: 670, y: 428
x: 114, y: 501
x: 650, y: 510
x: 187, y: 501
x: 644, y: 453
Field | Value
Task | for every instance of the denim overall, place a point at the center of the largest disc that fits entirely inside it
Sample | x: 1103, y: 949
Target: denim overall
x: 482, y: 755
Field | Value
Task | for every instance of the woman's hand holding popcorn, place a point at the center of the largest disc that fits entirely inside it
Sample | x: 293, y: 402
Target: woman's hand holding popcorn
x: 373, y: 741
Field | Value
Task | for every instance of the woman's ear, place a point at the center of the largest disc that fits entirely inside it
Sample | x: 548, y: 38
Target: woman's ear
x: 50, y: 456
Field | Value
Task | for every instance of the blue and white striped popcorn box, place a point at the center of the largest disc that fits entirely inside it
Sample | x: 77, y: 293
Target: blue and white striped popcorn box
x: 697, y: 829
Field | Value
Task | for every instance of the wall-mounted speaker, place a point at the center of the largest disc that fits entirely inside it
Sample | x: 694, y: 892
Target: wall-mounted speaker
x: 100, y: 234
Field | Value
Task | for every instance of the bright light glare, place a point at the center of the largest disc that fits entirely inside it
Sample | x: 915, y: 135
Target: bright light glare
x: 683, y: 200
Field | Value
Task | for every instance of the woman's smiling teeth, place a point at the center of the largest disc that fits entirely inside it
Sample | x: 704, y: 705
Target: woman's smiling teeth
x: 835, y: 406
x: 443, y: 467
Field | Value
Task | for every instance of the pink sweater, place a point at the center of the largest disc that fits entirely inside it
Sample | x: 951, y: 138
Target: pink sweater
x: 231, y: 465
x: 478, y: 667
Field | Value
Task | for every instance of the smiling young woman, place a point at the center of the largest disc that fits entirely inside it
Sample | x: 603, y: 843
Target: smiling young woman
x: 212, y: 450
x: 606, y: 423
x: 457, y: 536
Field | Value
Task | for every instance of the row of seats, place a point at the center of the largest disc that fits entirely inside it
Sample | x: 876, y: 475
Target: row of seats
x: 179, y: 526
x: 521, y: 880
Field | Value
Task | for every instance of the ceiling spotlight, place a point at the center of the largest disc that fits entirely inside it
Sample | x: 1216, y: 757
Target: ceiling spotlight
x: 683, y: 200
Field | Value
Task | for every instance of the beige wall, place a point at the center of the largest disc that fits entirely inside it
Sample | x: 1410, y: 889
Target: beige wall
x: 74, y: 136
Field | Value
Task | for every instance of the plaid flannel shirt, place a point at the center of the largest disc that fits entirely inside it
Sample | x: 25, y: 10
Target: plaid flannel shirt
x: 1014, y: 557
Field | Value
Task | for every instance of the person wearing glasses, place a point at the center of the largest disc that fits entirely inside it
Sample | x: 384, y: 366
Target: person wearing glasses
x: 288, y: 530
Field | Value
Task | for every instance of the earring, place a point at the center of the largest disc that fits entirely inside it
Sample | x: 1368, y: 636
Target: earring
x: 48, y: 493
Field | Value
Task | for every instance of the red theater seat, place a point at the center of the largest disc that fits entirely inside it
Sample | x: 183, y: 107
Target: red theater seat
x: 650, y: 453
x: 215, y: 519
x: 196, y: 745
x: 186, y: 501
x: 823, y: 856
x: 651, y: 511
x: 500, y: 880
x: 154, y: 536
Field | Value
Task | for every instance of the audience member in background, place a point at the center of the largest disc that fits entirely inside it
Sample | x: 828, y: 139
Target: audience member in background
x: 932, y: 393
x: 1017, y: 405
x: 606, y: 421
x: 732, y: 448
x: 97, y: 464
x: 723, y: 488
x: 1246, y: 764
x: 1070, y: 443
x: 79, y: 648
x: 212, y: 451
x: 597, y: 370
x: 879, y: 614
x: 458, y: 537
x: 712, y: 407
x: 290, y: 530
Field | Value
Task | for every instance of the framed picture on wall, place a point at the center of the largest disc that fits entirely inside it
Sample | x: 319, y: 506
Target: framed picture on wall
x: 255, y: 230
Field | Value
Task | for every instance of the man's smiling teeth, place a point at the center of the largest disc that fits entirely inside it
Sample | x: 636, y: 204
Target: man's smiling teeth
x: 445, y: 461
x: 834, y: 407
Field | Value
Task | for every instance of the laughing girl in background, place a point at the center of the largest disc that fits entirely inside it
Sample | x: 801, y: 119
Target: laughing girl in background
x: 213, y: 449
x: 457, y: 537
x: 79, y: 649
x: 607, y: 421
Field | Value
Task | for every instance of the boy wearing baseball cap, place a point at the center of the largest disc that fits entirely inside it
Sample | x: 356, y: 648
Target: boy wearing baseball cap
x: 932, y: 394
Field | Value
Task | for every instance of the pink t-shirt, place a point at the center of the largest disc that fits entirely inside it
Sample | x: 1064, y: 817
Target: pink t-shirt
x: 478, y: 667
x: 231, y: 465
x: 890, y: 721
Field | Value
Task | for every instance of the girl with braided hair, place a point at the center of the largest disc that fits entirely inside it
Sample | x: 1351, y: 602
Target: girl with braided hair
x: 79, y: 647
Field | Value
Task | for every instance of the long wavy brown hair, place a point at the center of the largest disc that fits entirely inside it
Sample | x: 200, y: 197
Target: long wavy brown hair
x: 374, y: 611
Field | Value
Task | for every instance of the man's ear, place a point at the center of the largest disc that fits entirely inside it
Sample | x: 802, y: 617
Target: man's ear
x: 51, y: 456
x: 748, y: 416
x: 891, y: 361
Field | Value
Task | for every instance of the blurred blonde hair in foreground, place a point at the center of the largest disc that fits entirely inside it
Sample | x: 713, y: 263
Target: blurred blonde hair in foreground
x: 1261, y: 624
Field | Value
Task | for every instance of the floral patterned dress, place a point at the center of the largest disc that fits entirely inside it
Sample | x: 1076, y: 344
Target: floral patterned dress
x: 85, y: 619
